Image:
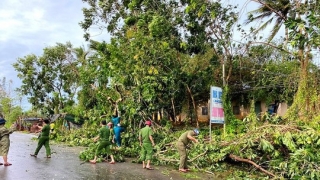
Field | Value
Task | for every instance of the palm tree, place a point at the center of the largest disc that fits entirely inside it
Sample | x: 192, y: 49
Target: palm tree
x: 275, y: 10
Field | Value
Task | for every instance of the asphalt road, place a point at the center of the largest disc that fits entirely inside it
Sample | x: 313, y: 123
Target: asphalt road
x: 65, y: 164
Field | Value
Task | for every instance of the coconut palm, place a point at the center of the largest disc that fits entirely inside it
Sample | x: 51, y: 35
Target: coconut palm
x: 275, y: 10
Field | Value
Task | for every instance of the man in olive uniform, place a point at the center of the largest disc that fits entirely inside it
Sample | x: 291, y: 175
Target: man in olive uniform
x: 181, y: 145
x: 104, y: 141
x: 44, y: 139
x: 146, y: 143
x: 4, y: 142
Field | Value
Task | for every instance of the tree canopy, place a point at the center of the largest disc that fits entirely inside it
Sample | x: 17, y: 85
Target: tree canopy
x: 163, y: 57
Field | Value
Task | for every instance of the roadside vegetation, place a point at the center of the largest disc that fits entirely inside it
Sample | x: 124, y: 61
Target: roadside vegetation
x: 160, y: 61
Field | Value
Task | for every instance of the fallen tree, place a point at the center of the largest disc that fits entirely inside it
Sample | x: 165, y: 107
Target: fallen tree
x: 274, y: 150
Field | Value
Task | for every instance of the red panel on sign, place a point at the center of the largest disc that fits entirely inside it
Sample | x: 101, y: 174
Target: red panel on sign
x: 217, y: 112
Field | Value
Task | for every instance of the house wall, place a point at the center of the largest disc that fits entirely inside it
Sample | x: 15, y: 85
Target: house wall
x: 240, y: 111
x: 281, y: 110
x: 203, y: 112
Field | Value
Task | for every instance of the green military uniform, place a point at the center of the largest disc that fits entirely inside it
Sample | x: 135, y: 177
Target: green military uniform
x: 44, y: 140
x: 104, y: 140
x: 147, y: 149
x: 183, y: 141
x: 4, y: 140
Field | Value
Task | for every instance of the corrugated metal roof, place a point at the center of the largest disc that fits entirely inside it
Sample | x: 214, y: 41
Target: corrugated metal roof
x: 31, y: 119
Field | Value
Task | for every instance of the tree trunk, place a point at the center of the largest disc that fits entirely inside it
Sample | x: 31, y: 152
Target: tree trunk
x: 194, y: 105
x: 300, y: 108
x: 236, y: 158
x: 174, y: 110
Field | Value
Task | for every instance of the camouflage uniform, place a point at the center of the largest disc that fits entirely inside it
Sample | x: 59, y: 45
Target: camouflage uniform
x: 4, y: 140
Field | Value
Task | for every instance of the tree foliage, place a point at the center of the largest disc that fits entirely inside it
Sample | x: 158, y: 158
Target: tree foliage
x: 163, y: 57
x: 149, y: 55
x: 49, y: 80
x: 9, y: 107
x: 277, y: 11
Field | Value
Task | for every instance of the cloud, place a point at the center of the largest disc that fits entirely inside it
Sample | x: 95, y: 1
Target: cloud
x: 40, y: 20
x: 27, y: 27
x: 17, y: 18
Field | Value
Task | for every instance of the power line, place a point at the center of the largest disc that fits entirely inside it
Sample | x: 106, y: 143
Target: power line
x: 266, y: 72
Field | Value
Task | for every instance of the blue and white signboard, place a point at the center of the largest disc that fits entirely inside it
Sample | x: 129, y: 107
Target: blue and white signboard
x: 216, y: 107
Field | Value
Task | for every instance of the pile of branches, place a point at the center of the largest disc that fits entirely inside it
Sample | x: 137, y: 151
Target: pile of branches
x: 288, y: 151
x: 271, y: 150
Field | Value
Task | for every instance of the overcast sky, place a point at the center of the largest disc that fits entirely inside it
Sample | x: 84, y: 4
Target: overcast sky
x: 28, y: 26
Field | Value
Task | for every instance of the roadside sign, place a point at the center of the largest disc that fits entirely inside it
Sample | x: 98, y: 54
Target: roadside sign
x: 216, y: 107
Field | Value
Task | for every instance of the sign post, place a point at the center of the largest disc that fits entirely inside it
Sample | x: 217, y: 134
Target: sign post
x: 216, y: 108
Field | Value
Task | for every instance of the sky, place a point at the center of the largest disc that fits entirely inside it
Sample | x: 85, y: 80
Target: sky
x: 28, y: 26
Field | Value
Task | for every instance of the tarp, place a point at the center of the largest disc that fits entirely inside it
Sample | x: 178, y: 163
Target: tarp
x: 73, y: 119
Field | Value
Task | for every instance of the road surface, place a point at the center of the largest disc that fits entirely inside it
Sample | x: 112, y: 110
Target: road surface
x: 65, y: 164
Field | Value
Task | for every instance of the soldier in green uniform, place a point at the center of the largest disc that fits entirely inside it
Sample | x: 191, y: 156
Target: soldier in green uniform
x: 4, y: 142
x: 181, y: 145
x: 104, y: 141
x: 44, y: 139
x: 146, y: 143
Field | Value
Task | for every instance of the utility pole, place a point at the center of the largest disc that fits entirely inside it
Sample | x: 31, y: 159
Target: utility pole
x: 223, y: 72
x: 224, y: 84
